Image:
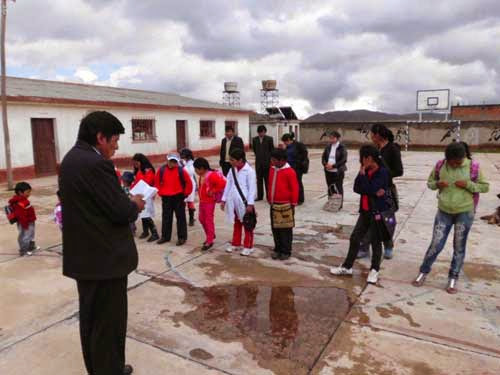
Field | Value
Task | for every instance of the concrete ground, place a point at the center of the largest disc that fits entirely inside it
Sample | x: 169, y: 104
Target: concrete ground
x: 219, y: 313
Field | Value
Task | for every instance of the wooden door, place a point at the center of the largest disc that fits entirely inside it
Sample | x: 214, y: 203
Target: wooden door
x: 44, y: 146
x: 181, y: 134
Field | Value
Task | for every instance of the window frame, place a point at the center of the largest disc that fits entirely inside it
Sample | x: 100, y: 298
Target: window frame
x: 212, y: 133
x: 150, y: 137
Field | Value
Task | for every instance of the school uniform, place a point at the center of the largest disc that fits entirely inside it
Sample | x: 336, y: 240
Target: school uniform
x: 147, y: 215
x: 212, y: 183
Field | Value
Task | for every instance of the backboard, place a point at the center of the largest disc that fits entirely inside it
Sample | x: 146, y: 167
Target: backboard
x: 433, y: 100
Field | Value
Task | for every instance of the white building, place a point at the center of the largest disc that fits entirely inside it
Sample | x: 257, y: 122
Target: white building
x: 44, y: 117
x: 278, y: 121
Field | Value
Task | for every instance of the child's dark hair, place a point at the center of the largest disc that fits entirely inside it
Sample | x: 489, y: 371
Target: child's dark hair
x: 202, y: 163
x: 99, y: 122
x: 369, y: 150
x: 21, y: 187
x: 288, y: 137
x: 278, y: 154
x: 261, y: 128
x: 238, y: 154
x: 144, y: 161
x: 467, y: 150
x: 128, y: 177
x: 382, y: 131
x: 454, y: 151
x: 186, y: 153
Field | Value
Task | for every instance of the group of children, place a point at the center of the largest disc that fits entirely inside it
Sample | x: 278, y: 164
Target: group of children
x: 457, y: 178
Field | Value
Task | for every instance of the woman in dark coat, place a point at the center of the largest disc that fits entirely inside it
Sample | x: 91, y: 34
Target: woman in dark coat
x: 334, y: 160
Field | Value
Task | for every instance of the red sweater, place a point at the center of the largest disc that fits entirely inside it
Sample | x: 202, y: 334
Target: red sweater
x: 148, y: 177
x: 171, y: 182
x: 214, y: 183
x: 24, y: 211
x: 287, y: 186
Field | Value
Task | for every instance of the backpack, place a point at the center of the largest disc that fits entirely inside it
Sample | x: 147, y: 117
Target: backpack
x: 474, y: 175
x: 9, y: 212
x: 181, y: 175
x: 219, y: 194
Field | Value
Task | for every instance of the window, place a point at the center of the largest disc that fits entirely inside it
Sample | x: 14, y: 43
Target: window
x: 143, y: 130
x: 234, y: 124
x: 207, y: 129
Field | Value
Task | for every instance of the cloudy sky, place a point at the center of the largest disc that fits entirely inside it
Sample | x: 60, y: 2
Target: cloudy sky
x: 325, y: 55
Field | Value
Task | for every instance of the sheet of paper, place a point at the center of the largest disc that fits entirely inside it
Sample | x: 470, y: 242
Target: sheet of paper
x: 143, y: 188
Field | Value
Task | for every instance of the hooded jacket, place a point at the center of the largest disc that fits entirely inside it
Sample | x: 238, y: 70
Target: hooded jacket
x: 24, y: 211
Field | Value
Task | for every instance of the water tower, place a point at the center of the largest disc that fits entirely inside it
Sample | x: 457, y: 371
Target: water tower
x: 231, y: 95
x: 269, y: 95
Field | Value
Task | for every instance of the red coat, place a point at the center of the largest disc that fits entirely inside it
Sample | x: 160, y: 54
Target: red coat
x: 287, y: 186
x: 214, y: 183
x: 171, y: 182
x: 24, y: 211
x: 148, y: 177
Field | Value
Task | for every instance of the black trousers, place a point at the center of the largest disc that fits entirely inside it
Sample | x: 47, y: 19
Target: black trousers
x: 226, y: 167
x: 171, y: 204
x: 334, y: 178
x: 103, y: 324
x: 364, y: 226
x: 262, y: 178
x: 301, y: 186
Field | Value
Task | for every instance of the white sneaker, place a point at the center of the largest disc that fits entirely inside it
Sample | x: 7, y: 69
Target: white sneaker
x: 29, y: 253
x: 232, y: 248
x: 341, y: 271
x: 246, y: 252
x: 372, y: 277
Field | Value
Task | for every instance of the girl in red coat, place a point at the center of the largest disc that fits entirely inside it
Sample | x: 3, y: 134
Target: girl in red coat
x: 25, y: 215
x: 211, y: 185
x: 283, y: 195
x: 144, y: 170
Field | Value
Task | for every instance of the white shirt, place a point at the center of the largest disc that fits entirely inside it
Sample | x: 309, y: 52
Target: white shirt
x: 248, y: 185
x: 331, y: 157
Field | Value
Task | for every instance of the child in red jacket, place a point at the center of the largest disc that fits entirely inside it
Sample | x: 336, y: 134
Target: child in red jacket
x: 283, y: 195
x: 25, y: 215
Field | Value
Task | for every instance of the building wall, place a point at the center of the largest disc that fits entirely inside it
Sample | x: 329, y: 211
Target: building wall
x: 476, y: 112
x: 67, y: 120
x: 476, y: 133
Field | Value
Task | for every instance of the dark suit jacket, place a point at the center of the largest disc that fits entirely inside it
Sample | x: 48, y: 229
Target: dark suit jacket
x: 237, y: 142
x: 262, y: 151
x: 340, y: 157
x: 97, y: 238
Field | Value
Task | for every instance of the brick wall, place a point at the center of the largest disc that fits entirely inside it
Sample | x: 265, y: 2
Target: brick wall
x: 476, y: 112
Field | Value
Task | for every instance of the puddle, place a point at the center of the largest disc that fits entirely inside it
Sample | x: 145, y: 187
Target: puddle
x: 340, y: 231
x: 284, y: 328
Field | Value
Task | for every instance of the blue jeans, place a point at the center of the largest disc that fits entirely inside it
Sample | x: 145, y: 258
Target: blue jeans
x: 442, y: 226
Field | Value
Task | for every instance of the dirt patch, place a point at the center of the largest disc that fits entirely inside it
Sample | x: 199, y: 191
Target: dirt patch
x: 340, y: 231
x: 391, y: 310
x: 284, y: 328
x: 478, y: 272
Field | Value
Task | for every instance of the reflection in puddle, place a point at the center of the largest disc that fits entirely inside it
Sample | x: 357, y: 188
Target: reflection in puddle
x: 285, y: 328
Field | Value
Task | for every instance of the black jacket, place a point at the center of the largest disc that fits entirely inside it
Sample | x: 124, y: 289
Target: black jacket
x: 340, y: 157
x: 391, y: 154
x: 236, y: 142
x: 97, y: 238
x: 300, y: 161
x: 366, y: 186
x: 263, y: 151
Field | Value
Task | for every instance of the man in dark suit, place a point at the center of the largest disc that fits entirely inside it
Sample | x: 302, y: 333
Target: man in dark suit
x: 262, y: 146
x: 99, y: 250
x: 229, y: 143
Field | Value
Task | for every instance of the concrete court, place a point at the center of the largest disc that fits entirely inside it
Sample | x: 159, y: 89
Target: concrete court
x: 219, y: 313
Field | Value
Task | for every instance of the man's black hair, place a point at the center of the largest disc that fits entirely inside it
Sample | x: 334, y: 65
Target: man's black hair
x: 454, y: 151
x: 287, y: 137
x: 278, y: 154
x: 99, y: 121
x: 229, y: 128
x: 382, y: 131
x: 202, y: 163
x: 238, y: 154
x: 335, y: 134
x: 370, y: 150
x: 21, y: 187
x: 261, y: 128
x: 186, y: 153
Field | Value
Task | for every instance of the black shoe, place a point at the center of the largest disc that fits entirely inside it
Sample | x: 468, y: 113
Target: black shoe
x: 275, y: 255
x: 180, y: 242
x: 162, y: 240
x: 206, y: 246
x: 143, y: 235
x: 283, y: 256
x: 191, y: 222
x: 154, y: 237
x: 127, y: 370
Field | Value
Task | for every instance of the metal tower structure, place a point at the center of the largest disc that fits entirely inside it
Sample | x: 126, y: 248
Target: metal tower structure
x: 269, y: 95
x: 231, y: 95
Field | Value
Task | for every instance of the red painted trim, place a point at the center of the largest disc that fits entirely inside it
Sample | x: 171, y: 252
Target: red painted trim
x: 107, y: 104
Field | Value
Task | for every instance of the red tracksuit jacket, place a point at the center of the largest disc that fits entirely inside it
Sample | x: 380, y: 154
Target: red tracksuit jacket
x: 287, y: 186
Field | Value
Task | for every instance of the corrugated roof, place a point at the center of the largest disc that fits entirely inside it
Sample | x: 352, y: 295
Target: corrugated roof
x: 34, y: 90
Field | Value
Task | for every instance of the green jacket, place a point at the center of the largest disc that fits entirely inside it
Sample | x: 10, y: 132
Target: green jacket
x: 452, y: 199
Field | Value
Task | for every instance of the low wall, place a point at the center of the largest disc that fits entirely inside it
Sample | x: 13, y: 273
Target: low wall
x: 476, y: 133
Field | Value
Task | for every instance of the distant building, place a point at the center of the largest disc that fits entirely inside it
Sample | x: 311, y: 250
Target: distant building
x: 44, y: 117
x: 278, y: 121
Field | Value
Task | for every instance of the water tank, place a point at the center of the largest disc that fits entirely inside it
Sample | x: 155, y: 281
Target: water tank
x: 269, y: 84
x: 230, y: 86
